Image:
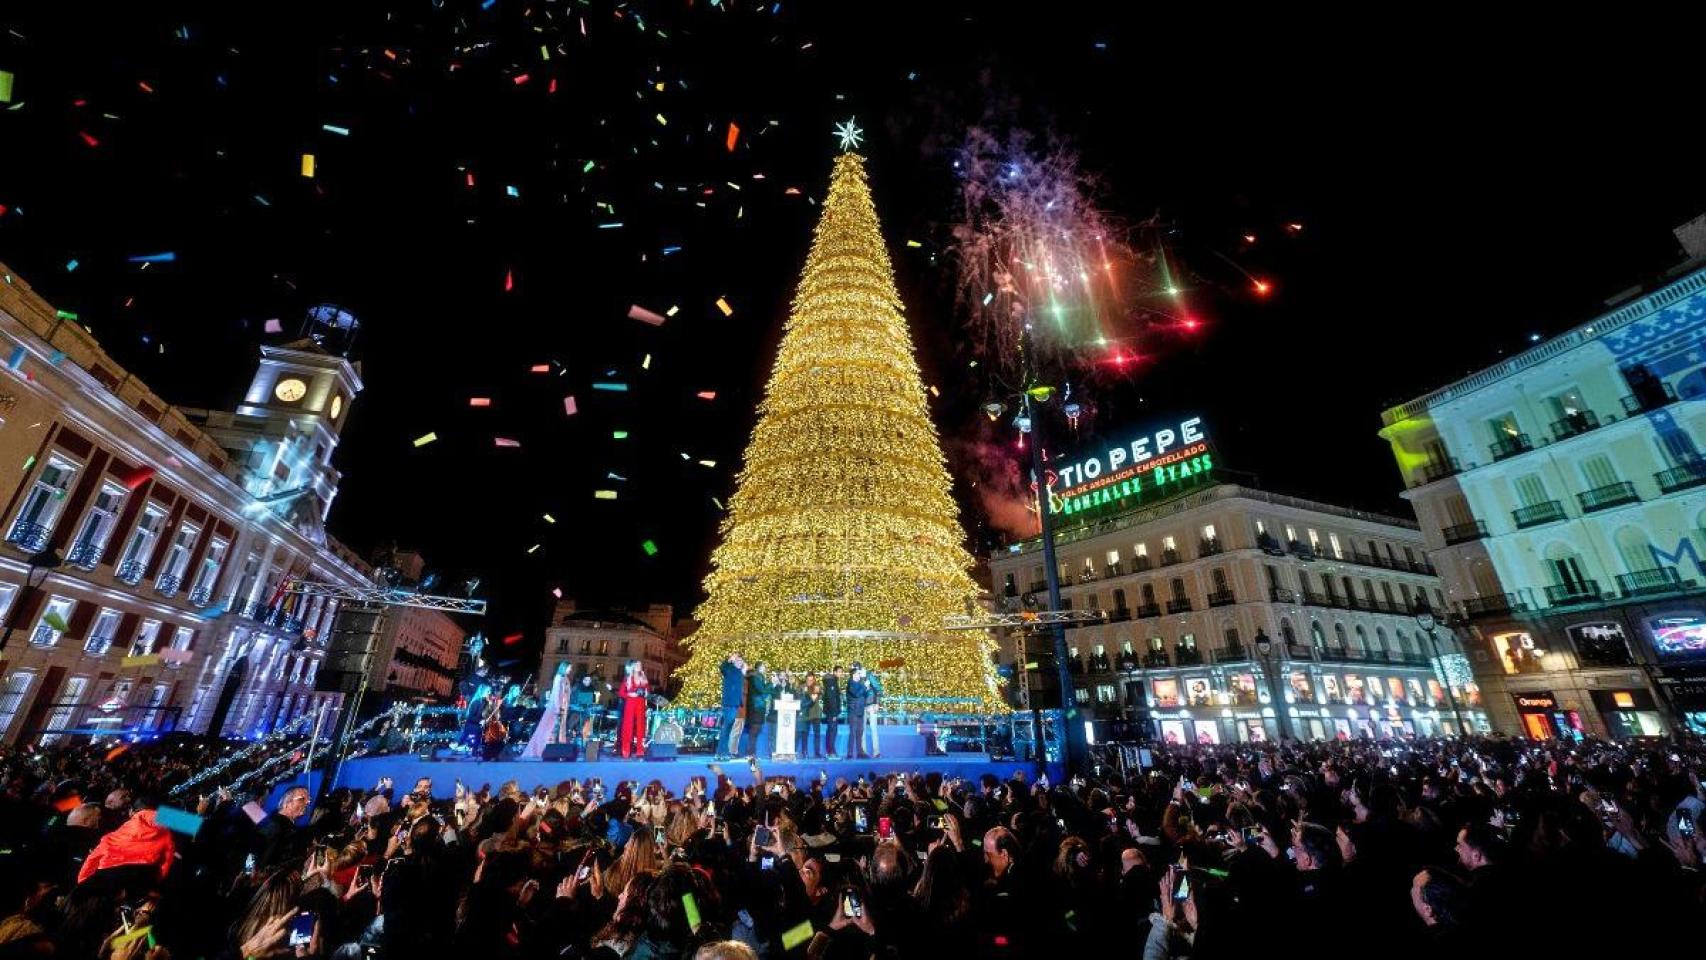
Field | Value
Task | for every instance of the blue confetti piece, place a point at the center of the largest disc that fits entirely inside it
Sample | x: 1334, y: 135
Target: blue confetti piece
x: 488, y: 4
x: 340, y: 131
x: 511, y: 190
x: 71, y: 265
x: 177, y: 821
x: 610, y: 226
x: 166, y: 257
x: 17, y: 359
x: 669, y: 250
x: 988, y: 297
x: 611, y: 387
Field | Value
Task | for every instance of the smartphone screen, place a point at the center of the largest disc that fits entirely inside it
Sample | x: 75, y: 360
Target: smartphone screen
x: 885, y: 828
x: 851, y: 908
x: 302, y: 929
x: 1181, y: 885
x: 657, y: 834
x: 584, y: 872
x: 861, y: 819
x: 766, y: 863
x: 1684, y: 823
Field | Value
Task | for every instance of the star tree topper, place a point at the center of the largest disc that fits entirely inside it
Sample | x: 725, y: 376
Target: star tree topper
x: 850, y: 134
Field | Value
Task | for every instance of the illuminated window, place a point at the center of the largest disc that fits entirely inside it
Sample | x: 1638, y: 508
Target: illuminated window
x: 1141, y: 550
x: 1314, y: 541
x: 1113, y: 557
x: 1333, y: 541
x: 1168, y: 544
x: 53, y: 621
x: 1623, y: 699
x: 101, y: 634
x: 1208, y: 531
x: 1261, y: 528
x: 146, y: 635
x: 42, y: 505
x: 1290, y: 533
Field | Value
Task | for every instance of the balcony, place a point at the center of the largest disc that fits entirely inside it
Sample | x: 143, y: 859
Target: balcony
x: 1464, y: 532
x: 1691, y: 474
x: 1221, y: 598
x: 1209, y: 547
x: 1145, y: 610
x: 1575, y: 424
x: 1300, y: 550
x: 1169, y: 557
x: 44, y: 636
x: 1117, y: 614
x: 29, y: 537
x: 201, y: 596
x: 97, y: 646
x: 1440, y: 469
x: 1648, y: 400
x: 1656, y: 580
x: 1141, y: 564
x: 1267, y: 544
x: 1569, y: 594
x: 1179, y: 605
x: 84, y: 556
x: 1497, y: 605
x: 1282, y: 595
x: 1156, y: 658
x: 1114, y: 569
x: 1238, y: 654
x: 1297, y: 651
x: 1187, y: 656
x: 1342, y: 654
x: 1536, y: 514
x: 1313, y: 599
x: 1087, y: 575
x: 1510, y: 445
x: 130, y: 572
x: 167, y: 586
x: 1610, y: 495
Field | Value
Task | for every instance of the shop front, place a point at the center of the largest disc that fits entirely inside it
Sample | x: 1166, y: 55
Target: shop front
x: 1629, y: 713
x: 1686, y: 689
x: 1542, y: 719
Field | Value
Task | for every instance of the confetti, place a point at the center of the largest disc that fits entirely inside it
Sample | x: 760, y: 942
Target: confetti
x: 534, y: 547
x: 796, y: 935
x: 53, y: 619
x: 136, y: 476
x: 88, y: 138
x: 650, y: 548
x: 422, y: 441
x: 479, y: 401
x: 274, y: 326
x: 71, y: 265
x: 734, y: 136
x: 637, y: 312
x: 308, y: 165
x: 506, y: 443
x: 646, y: 362
x: 690, y: 906
x: 723, y: 305
x: 6, y: 80
x: 340, y: 131
x: 539, y: 368
x: 513, y: 638
x: 66, y: 315
x: 672, y: 311
x: 177, y: 821
x: 618, y: 434
x: 549, y: 518
x: 166, y: 257
x: 557, y: 592
x: 569, y: 406
x: 604, y: 494
x: 611, y: 387
x: 707, y: 394
x: 509, y: 280
x: 914, y: 244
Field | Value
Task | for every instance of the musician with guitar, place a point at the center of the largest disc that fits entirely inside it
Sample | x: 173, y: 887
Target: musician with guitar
x: 494, y: 733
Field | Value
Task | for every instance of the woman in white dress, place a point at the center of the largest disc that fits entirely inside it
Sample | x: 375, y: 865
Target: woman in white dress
x: 551, y: 721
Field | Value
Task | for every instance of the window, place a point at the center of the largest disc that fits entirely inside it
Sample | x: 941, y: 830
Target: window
x: 1125, y: 646
x: 209, y: 573
x: 1178, y: 588
x: 1119, y: 599
x: 1380, y: 638
x: 1090, y: 602
x: 1503, y: 427
x: 1566, y: 404
x: 7, y: 592
x: 1105, y: 693
x: 245, y: 583
x: 308, y: 675
x: 626, y: 644
x: 1314, y: 541
x: 1333, y: 542
x: 1187, y: 641
x: 101, y: 634
x: 1597, y: 472
x: 1286, y: 633
x: 295, y: 669
x: 1157, y: 645
x: 1531, y: 490
x: 177, y: 555
x: 1208, y: 532
x: 42, y: 504
x: 1339, y: 635
x: 1261, y: 529
x: 1141, y: 550
x: 1232, y: 638
x: 1113, y: 557
x: 1362, y: 637
x: 142, y: 538
x: 1168, y: 544
x: 146, y: 636
x: 1218, y: 575
x: 1290, y: 534
x: 97, y: 527
x: 12, y: 697
x: 183, y: 638
x: 586, y: 645
x: 1317, y: 636
x: 1149, y: 594
x: 69, y: 700
x: 562, y: 644
x: 54, y: 619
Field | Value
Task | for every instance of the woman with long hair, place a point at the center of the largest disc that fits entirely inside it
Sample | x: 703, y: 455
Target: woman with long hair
x: 633, y: 692
x: 618, y: 936
x: 640, y: 855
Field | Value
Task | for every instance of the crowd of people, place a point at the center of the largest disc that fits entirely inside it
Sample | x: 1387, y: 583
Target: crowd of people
x: 1481, y: 847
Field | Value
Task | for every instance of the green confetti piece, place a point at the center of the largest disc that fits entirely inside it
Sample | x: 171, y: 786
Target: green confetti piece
x: 691, y: 905
x: 794, y: 936
x: 6, y: 79
x: 53, y: 619
x: 65, y: 315
x: 650, y: 548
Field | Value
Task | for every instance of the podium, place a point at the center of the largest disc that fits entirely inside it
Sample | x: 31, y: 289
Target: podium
x: 787, y: 717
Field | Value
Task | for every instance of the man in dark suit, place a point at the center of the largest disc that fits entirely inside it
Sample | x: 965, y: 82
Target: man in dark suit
x: 734, y: 696
x: 858, y: 698
x: 758, y: 699
x: 832, y: 708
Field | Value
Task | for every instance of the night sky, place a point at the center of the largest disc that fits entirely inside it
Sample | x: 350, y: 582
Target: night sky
x: 1457, y: 193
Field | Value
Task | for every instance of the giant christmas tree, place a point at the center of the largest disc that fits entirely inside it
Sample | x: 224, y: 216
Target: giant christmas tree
x: 842, y: 542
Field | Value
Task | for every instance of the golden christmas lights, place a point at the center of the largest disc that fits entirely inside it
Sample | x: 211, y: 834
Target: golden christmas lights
x: 842, y: 542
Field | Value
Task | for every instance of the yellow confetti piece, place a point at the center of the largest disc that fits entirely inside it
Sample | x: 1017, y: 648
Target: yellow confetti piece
x: 934, y: 392
x: 672, y: 311
x: 424, y: 440
x: 646, y: 364
x: 794, y: 936
x: 723, y: 305
x: 604, y: 494
x: 662, y: 121
x: 914, y: 244
x: 308, y: 164
x: 534, y: 547
x: 550, y: 519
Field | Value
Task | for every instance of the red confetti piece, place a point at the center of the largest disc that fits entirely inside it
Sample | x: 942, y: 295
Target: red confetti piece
x: 512, y: 639
x: 539, y: 368
x: 509, y: 280
x: 479, y: 401
x: 88, y: 138
x: 734, y: 136
x: 707, y: 394
x: 136, y: 476
x: 521, y: 79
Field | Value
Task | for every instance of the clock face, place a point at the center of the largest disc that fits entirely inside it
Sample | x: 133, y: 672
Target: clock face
x: 290, y: 390
x: 337, y: 405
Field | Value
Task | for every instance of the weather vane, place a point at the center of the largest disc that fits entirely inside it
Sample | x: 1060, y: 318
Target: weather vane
x: 850, y: 134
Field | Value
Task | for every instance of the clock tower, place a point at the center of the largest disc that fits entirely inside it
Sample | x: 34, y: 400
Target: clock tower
x: 281, y: 437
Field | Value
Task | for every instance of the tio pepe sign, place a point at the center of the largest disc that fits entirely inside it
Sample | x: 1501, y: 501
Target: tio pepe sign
x: 1133, y: 467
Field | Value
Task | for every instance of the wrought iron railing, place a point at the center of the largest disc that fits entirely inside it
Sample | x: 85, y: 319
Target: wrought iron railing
x: 85, y: 555
x: 29, y: 537
x: 1464, y: 532
x: 130, y: 572
x: 1656, y: 580
x: 1538, y: 513
x: 1510, y: 445
x: 1565, y: 594
x: 1609, y: 495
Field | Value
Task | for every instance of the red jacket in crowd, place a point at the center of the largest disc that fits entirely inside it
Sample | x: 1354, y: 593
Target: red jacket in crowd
x: 139, y: 841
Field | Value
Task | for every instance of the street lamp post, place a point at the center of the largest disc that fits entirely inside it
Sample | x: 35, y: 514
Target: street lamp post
x: 1072, y: 746
x: 46, y: 561
x: 1426, y: 620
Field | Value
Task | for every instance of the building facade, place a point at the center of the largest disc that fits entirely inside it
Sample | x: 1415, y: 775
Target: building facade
x: 599, y: 642
x: 146, y: 546
x: 416, y: 655
x: 1236, y: 615
x: 1563, y: 497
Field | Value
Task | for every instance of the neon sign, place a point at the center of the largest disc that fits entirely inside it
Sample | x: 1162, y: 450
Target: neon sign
x: 1678, y: 636
x: 1167, y: 459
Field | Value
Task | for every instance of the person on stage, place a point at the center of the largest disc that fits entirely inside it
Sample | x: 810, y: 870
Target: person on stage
x: 875, y: 682
x: 832, y: 682
x: 582, y: 702
x: 858, y: 699
x: 734, y: 697
x: 554, y: 718
x: 635, y: 689
x: 494, y: 733
x: 759, y: 695
x: 809, y: 743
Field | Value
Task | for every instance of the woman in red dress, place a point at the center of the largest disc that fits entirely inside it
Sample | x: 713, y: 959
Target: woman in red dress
x: 633, y: 692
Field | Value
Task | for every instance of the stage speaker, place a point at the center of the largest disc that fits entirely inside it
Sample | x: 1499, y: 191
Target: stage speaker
x: 562, y: 751
x: 660, y: 751
x: 592, y: 749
